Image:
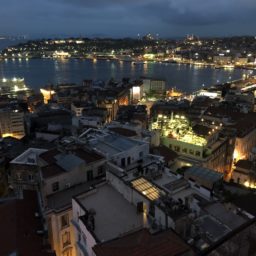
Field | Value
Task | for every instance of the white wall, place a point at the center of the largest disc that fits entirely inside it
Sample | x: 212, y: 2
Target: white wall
x: 90, y: 240
x: 133, y: 153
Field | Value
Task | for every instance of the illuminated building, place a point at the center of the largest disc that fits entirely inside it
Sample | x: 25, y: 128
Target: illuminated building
x: 47, y: 94
x: 173, y: 93
x: 153, y: 85
x: 12, y: 123
x: 244, y: 172
x: 194, y: 143
x: 136, y: 93
x: 14, y: 87
x: 61, y: 54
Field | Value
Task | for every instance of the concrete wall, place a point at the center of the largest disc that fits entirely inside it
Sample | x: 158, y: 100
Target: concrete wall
x: 71, y: 178
x: 244, y: 145
x: 81, y: 233
x: 135, y: 197
x: 133, y: 153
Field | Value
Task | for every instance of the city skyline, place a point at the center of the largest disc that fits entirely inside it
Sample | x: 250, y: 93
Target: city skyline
x: 168, y: 18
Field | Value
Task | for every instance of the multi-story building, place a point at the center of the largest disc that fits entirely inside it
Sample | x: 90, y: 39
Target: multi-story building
x: 12, y: 123
x: 65, y: 173
x: 153, y: 85
x: 118, y: 149
x: 25, y: 170
x: 195, y: 143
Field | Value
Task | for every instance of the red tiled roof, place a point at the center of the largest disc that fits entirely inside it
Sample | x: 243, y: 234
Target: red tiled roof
x: 168, y: 154
x: 87, y: 156
x: 244, y: 164
x: 142, y: 243
x: 51, y: 170
x: 49, y: 155
x: 123, y: 131
x: 18, y: 226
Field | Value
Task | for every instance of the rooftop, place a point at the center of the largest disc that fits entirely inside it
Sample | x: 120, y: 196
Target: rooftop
x: 63, y: 199
x: 146, y: 188
x: 113, y: 144
x: 114, y: 214
x: 29, y: 157
x: 211, y: 227
x: 143, y: 243
x: 227, y: 217
x: 123, y: 131
x: 19, y: 225
x: 203, y: 176
x: 244, y: 164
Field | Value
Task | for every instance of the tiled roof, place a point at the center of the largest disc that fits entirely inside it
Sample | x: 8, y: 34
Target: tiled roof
x: 142, y: 243
x: 123, y: 131
x: 49, y: 156
x: 244, y: 164
x: 168, y: 154
x: 18, y: 226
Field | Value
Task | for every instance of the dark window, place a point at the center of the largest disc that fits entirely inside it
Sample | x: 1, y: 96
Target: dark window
x: 141, y: 154
x: 198, y: 153
x: 89, y: 175
x: 191, y: 152
x: 184, y: 150
x: 100, y: 170
x: 177, y: 148
x: 64, y: 221
x: 123, y: 162
x: 129, y: 160
x: 30, y: 177
x: 55, y: 186
x: 66, y: 239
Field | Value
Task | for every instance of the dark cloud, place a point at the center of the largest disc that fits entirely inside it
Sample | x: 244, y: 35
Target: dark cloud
x: 127, y: 17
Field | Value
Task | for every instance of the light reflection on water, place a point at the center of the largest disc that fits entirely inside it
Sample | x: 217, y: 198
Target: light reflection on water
x: 39, y: 72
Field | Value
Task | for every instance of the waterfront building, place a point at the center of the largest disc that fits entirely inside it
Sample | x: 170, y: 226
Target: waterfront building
x: 195, y: 142
x: 153, y: 86
x: 14, y: 88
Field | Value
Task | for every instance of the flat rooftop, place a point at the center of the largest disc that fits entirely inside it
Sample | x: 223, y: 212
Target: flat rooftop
x: 114, y: 214
x: 214, y: 229
x: 113, y: 144
x: 224, y: 215
x: 202, y: 175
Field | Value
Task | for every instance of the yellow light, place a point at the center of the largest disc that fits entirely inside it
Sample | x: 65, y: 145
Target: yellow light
x: 136, y: 90
x: 249, y: 185
x: 4, y: 135
x: 47, y: 94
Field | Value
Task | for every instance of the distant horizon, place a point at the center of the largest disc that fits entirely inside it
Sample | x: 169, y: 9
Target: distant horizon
x: 102, y: 36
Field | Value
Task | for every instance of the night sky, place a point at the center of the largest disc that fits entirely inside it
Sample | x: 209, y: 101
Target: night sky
x: 120, y: 18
